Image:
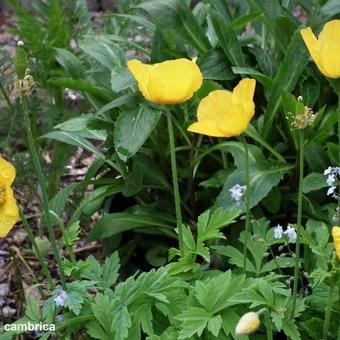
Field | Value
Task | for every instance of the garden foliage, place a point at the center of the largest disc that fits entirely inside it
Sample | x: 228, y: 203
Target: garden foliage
x: 232, y: 257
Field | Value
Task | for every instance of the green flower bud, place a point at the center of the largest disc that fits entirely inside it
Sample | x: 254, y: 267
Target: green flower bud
x: 20, y: 60
x: 43, y: 244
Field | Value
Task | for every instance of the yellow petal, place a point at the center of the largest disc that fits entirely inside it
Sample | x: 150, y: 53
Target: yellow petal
x: 329, y: 42
x: 174, y: 81
x: 225, y: 114
x: 209, y: 128
x: 243, y: 94
x: 9, y: 213
x: 336, y: 238
x: 7, y: 172
x: 313, y: 47
x: 141, y: 72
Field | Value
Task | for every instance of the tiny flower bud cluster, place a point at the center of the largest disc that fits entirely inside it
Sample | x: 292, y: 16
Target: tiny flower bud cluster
x: 290, y: 233
x: 333, y: 178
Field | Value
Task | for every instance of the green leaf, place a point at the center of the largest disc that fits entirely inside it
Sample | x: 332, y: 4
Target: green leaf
x: 104, y: 51
x: 210, y: 223
x: 314, y: 181
x: 94, y: 330
x: 102, y: 309
x: 121, y: 321
x: 71, y: 234
x: 243, y: 20
x: 81, y: 85
x: 214, y: 325
x: 121, y: 79
x: 110, y: 270
x: 228, y: 40
x: 286, y: 79
x: 132, y: 129
x: 116, y: 223
x: 70, y: 63
x: 291, y: 330
x: 33, y: 311
x: 130, y: 98
x: 214, y: 66
x: 177, y: 16
x: 264, y: 175
x: 235, y: 257
x: 330, y: 9
x: 193, y: 321
x: 73, y: 139
x: 143, y: 316
x: 263, y: 79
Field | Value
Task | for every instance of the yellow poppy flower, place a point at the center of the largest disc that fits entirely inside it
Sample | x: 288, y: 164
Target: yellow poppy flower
x: 225, y: 114
x: 9, y: 212
x: 169, y: 82
x: 326, y: 49
x: 336, y: 238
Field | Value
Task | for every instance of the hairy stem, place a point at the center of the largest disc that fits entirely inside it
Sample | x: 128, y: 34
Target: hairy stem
x: 247, y: 196
x: 328, y: 312
x: 40, y: 257
x: 175, y: 181
x: 42, y: 182
x: 299, y: 220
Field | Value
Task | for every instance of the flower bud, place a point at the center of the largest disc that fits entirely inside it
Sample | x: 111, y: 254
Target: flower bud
x: 43, y: 244
x: 20, y: 60
x: 248, y: 324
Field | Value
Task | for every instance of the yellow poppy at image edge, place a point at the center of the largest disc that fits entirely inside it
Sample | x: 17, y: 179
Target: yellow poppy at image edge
x: 226, y: 114
x: 169, y: 82
x: 336, y: 239
x: 9, y: 212
x: 325, y: 49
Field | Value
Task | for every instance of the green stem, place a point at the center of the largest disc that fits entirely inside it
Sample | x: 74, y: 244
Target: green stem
x: 247, y: 196
x: 68, y: 246
x: 175, y: 181
x: 269, y: 326
x: 42, y: 182
x: 299, y: 220
x: 328, y: 312
x: 338, y: 114
x: 36, y: 249
x: 9, y: 103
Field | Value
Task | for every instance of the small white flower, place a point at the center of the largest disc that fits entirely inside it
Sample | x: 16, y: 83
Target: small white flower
x: 331, y: 191
x: 237, y: 192
x: 60, y: 298
x: 330, y: 180
x: 291, y: 234
x: 278, y: 231
x: 328, y: 171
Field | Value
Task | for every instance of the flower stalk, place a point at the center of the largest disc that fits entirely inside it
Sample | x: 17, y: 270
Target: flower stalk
x: 42, y: 182
x: 38, y: 253
x: 175, y: 181
x: 299, y: 220
x: 328, y: 311
x: 246, y: 201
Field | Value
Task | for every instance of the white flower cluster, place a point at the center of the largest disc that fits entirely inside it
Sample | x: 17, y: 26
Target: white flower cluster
x: 290, y: 233
x: 237, y: 192
x: 333, y: 176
